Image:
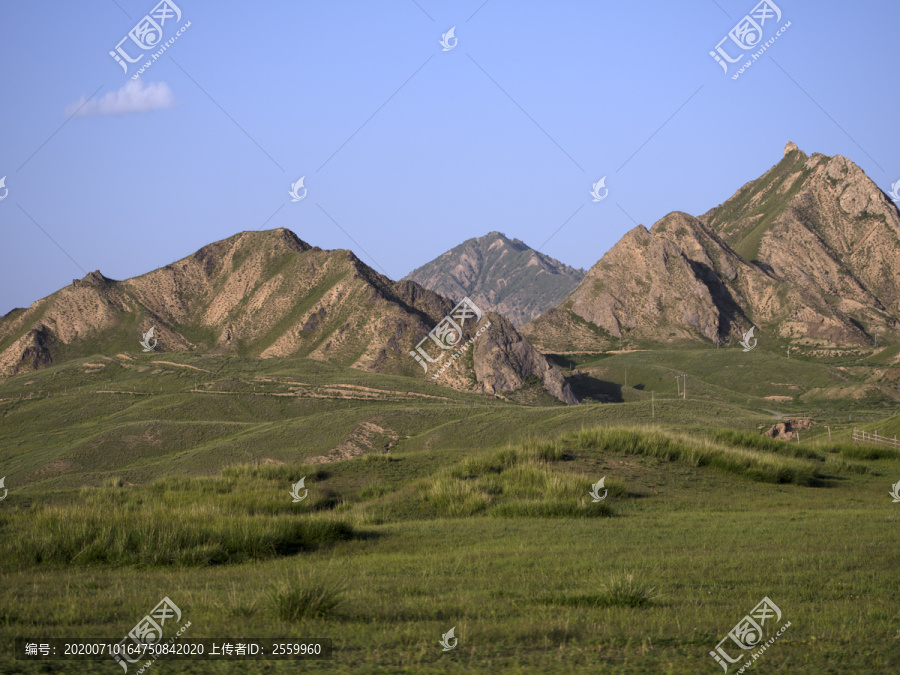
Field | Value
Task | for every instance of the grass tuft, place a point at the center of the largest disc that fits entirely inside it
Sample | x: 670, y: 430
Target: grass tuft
x: 625, y: 591
x: 620, y: 590
x: 296, y: 598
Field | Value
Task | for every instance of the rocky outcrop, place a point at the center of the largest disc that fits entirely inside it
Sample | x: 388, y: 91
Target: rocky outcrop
x: 504, y: 360
x: 29, y: 352
x: 788, y: 429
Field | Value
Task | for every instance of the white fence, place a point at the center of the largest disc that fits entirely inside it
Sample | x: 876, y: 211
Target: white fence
x: 860, y: 436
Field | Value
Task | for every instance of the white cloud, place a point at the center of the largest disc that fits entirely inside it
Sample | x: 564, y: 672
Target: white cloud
x: 134, y: 97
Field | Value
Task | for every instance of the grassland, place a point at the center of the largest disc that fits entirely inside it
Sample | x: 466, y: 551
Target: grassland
x: 140, y: 477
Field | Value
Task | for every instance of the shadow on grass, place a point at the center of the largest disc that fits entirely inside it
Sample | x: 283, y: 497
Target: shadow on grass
x: 601, y: 391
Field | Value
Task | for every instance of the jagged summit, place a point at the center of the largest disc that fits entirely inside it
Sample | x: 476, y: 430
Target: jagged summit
x: 94, y: 278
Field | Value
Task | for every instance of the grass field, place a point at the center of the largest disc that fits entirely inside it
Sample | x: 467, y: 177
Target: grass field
x: 135, y: 478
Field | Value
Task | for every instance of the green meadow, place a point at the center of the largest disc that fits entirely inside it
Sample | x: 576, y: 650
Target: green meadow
x: 135, y: 477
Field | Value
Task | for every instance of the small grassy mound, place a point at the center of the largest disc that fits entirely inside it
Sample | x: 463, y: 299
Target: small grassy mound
x: 179, y: 521
x: 864, y: 451
x: 517, y: 481
x: 749, y: 439
x: 524, y: 481
x: 697, y: 451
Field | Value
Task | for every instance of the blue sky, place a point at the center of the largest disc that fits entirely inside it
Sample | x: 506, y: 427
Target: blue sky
x: 407, y: 149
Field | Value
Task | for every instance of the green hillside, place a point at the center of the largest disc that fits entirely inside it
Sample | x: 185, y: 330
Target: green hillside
x: 133, y: 478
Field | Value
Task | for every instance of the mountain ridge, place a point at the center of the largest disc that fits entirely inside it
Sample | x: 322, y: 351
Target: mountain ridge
x: 262, y: 294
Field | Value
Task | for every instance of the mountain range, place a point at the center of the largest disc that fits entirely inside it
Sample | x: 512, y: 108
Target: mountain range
x: 807, y: 255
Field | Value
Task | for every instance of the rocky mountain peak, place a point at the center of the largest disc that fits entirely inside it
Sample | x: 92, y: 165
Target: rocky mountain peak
x: 809, y: 252
x: 499, y: 274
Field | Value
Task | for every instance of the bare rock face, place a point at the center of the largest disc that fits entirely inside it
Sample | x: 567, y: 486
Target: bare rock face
x: 504, y: 359
x: 646, y: 284
x: 678, y: 281
x: 29, y: 352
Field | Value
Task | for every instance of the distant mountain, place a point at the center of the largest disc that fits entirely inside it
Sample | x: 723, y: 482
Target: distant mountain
x: 500, y: 274
x: 809, y: 253
x: 269, y: 294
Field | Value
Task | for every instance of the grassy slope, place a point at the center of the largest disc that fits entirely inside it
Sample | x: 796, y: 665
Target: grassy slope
x: 145, y: 418
x: 765, y: 211
x: 819, y: 387
x: 465, y: 522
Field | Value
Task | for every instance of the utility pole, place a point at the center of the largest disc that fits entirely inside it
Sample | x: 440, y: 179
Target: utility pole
x: 652, y: 404
x: 682, y: 390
